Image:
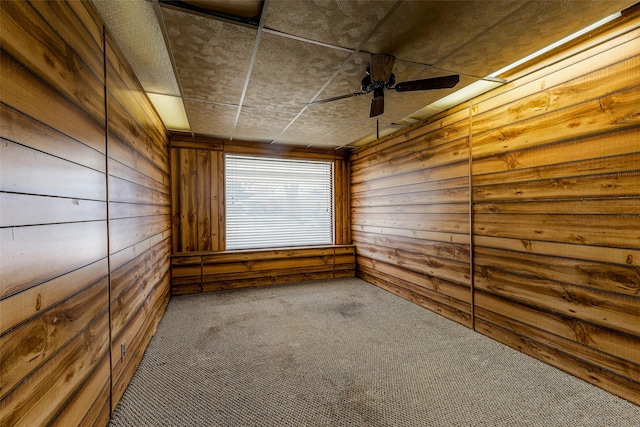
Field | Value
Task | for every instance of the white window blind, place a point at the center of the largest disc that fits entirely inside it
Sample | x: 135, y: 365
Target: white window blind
x: 277, y: 203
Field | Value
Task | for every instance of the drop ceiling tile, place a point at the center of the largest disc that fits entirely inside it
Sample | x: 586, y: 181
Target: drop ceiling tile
x: 427, y: 31
x: 336, y: 22
x: 532, y: 27
x: 257, y: 124
x: 135, y: 29
x: 212, y: 57
x: 244, y: 9
x: 211, y: 119
x: 344, y: 134
x: 287, y: 73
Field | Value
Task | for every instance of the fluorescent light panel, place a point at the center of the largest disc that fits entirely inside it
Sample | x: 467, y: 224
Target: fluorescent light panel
x: 171, y: 110
x: 556, y: 44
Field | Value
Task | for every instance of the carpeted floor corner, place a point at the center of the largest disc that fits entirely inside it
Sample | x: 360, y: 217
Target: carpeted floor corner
x: 344, y: 353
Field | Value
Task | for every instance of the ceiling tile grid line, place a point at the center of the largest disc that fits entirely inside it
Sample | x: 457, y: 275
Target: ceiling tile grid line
x: 337, y: 71
x: 254, y: 53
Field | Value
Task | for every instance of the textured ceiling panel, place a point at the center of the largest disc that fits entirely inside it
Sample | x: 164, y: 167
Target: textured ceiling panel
x: 336, y: 22
x: 288, y: 73
x: 212, y: 57
x: 136, y: 30
x: 236, y: 8
x: 294, y: 62
x: 532, y: 27
x: 211, y: 119
x: 261, y: 125
x: 344, y: 133
x: 426, y: 31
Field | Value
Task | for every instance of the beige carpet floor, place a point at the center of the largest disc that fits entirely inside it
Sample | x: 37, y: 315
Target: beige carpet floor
x: 344, y: 353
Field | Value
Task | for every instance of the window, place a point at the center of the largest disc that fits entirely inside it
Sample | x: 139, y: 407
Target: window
x: 276, y: 203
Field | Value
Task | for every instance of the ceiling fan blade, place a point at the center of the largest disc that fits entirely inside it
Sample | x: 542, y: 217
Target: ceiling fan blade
x: 377, y: 106
x: 380, y: 67
x: 335, y: 98
x: 427, y: 84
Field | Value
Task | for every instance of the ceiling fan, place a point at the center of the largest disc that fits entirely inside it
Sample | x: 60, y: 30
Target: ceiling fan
x: 380, y: 78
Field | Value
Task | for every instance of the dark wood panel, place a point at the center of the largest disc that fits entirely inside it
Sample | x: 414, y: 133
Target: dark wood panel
x: 26, y: 93
x: 566, y: 158
x: 126, y: 232
x: 90, y: 405
x: 599, y: 377
x: 132, y: 284
x: 582, y: 61
x: 78, y: 30
x: 419, y: 234
x: 596, y: 84
x: 441, y: 249
x: 55, y: 382
x: 28, y: 39
x: 29, y: 303
x: 402, y: 289
x: 615, y: 311
x: 128, y: 155
x: 26, y: 347
x: 596, y: 230
x: 443, y: 268
x: 609, y: 113
x: 449, y: 223
x: 577, y: 251
x: 211, y: 271
x: 601, y: 346
x: 425, y: 180
x: 129, y: 210
x: 621, y: 279
x: 397, y: 139
x: 454, y: 152
x: 436, y: 197
x: 606, y: 177
x: 124, y: 191
x: 122, y: 171
x: 143, y: 138
x: 419, y: 148
x: 66, y: 247
x: 582, y: 206
x: 137, y: 335
x: 415, y: 281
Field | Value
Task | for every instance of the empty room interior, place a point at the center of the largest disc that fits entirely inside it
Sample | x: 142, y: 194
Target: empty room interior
x: 320, y: 213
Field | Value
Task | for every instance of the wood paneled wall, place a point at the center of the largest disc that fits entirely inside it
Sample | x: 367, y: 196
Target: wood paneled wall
x: 542, y: 178
x: 556, y: 215
x: 197, y: 171
x: 84, y: 250
x: 200, y: 262
x: 206, y: 272
x: 410, y: 202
